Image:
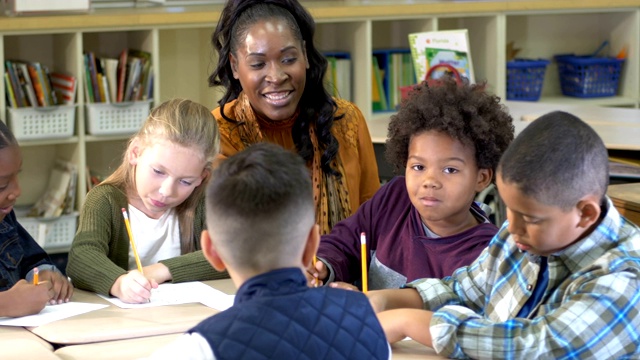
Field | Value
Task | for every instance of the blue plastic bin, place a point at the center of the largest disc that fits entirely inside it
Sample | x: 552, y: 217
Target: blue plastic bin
x: 588, y: 76
x: 525, y: 78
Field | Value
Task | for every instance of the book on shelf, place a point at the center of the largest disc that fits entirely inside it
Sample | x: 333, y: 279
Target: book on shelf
x: 378, y: 96
x: 34, y: 73
x: 11, y: 97
x: 441, y: 47
x: 337, y: 79
x: 14, y: 82
x: 396, y: 71
x: 110, y: 67
x: 126, y: 78
x: 65, y: 86
x: 23, y: 72
x: 29, y: 84
x: 60, y: 195
x: 139, y: 75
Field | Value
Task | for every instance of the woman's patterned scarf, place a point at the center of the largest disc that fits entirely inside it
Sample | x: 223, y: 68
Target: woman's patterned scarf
x: 330, y: 194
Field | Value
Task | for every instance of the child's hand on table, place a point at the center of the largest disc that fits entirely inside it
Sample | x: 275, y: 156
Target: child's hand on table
x: 343, y: 285
x: 320, y: 270
x: 60, y: 285
x: 28, y: 299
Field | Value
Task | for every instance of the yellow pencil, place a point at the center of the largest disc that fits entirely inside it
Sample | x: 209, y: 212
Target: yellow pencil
x: 315, y: 260
x: 35, y: 276
x: 133, y: 243
x: 363, y: 258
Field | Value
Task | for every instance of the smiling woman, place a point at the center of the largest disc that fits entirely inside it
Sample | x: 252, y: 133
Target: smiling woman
x: 272, y: 74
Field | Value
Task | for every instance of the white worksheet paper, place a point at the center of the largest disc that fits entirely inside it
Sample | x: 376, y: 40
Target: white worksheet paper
x: 182, y: 293
x: 52, y: 313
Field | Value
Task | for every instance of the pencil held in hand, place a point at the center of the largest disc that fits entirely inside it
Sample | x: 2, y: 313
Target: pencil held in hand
x: 133, y: 243
x: 363, y: 258
x: 36, y: 273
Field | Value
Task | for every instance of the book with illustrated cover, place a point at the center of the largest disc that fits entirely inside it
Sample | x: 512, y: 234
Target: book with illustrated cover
x: 451, y: 47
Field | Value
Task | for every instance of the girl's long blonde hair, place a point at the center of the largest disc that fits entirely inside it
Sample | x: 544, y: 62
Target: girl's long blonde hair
x: 185, y: 123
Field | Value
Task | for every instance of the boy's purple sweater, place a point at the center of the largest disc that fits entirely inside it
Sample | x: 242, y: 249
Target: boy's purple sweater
x: 399, y: 251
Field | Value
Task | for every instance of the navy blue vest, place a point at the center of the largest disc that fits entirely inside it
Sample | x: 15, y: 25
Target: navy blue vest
x: 276, y: 316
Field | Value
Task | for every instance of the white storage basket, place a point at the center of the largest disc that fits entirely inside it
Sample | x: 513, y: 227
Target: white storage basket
x: 51, y: 233
x: 42, y: 123
x: 116, y: 118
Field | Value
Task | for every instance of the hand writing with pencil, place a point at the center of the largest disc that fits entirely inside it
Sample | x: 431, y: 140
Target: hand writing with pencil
x: 316, y: 273
x: 133, y: 287
x: 26, y: 298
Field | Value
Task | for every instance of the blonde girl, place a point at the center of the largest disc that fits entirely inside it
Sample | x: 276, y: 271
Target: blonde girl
x: 161, y: 184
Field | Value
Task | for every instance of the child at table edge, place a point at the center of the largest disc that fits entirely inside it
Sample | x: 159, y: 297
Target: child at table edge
x: 447, y: 138
x: 161, y: 182
x: 20, y: 254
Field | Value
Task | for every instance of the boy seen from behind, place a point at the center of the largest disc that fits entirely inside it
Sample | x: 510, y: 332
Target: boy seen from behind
x: 560, y: 279
x: 261, y: 228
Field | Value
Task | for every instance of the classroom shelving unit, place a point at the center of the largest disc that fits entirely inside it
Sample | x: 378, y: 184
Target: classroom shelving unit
x: 179, y: 40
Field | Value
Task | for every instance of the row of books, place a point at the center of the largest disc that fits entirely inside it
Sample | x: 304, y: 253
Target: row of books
x: 110, y: 80
x: 338, y: 76
x: 31, y: 84
x: 391, y: 69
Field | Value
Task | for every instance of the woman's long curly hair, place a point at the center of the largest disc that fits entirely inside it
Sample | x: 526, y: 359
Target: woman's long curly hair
x: 316, y: 105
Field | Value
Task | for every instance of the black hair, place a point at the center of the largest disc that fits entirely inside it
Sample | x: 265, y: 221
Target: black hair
x: 316, y: 105
x: 557, y: 160
x: 6, y: 136
x: 465, y: 112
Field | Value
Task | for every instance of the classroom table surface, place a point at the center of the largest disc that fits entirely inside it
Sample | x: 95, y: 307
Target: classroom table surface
x: 12, y: 333
x: 143, y: 347
x: 114, y: 323
x: 21, y: 349
x: 619, y: 128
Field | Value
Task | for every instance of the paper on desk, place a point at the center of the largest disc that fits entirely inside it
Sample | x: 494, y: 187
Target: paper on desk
x: 182, y: 293
x: 52, y: 313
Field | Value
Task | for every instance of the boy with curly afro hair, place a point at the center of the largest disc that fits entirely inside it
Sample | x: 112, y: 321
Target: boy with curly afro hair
x: 448, y: 138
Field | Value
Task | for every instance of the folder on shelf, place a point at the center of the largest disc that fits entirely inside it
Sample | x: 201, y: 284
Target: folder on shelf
x: 436, y: 47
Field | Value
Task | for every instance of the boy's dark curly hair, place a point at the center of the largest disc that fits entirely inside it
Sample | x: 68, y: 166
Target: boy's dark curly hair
x: 466, y: 112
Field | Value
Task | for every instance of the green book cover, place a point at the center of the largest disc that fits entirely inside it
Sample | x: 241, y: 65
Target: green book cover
x: 378, y: 98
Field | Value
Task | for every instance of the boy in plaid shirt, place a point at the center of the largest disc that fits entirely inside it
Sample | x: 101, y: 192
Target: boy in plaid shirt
x: 559, y: 280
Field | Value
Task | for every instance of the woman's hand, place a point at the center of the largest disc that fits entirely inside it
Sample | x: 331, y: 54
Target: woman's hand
x: 61, y: 287
x: 133, y: 288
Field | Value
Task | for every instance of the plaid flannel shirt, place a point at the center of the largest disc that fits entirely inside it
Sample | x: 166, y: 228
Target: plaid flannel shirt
x: 590, y: 309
